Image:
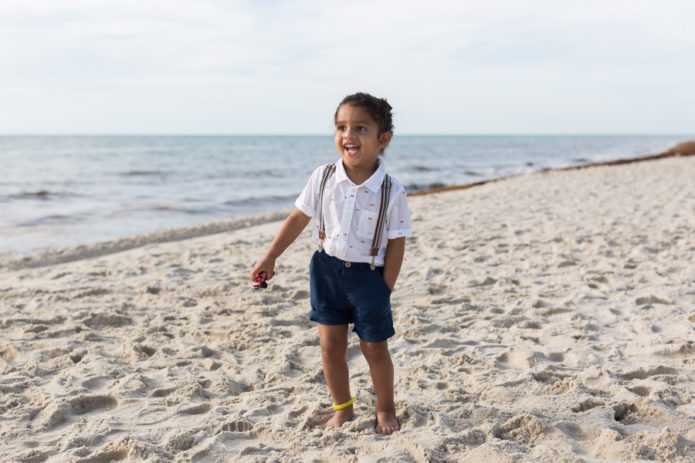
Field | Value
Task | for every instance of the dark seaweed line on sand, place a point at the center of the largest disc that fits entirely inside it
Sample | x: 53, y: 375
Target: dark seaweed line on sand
x: 682, y: 149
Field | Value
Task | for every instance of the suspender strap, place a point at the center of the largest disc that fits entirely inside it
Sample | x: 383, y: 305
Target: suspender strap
x: 330, y: 168
x: 381, y: 221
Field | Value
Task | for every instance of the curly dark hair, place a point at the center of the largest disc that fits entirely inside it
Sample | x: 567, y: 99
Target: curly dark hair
x: 378, y: 108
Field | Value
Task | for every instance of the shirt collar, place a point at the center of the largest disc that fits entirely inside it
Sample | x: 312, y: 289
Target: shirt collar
x: 373, y: 183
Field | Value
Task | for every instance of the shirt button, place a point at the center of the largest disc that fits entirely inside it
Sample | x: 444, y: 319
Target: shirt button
x: 347, y: 264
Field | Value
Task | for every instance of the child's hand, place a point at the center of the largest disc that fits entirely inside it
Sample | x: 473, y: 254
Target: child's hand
x: 266, y: 265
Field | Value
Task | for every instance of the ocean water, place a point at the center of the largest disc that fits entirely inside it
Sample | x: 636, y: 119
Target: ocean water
x: 58, y: 191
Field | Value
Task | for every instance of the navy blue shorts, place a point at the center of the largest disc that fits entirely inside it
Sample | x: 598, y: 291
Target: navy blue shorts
x: 344, y: 292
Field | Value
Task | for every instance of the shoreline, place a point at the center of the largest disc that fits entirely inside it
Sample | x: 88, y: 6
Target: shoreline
x: 167, y: 235
x: 102, y: 248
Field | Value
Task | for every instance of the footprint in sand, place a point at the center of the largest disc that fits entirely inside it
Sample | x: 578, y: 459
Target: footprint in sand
x: 642, y: 391
x: 181, y: 441
x: 555, y: 311
x: 87, y: 404
x: 436, y: 289
x: 93, y: 292
x: 138, y: 352
x: 60, y: 275
x: 35, y: 329
x: 486, y: 282
x: 105, y: 456
x: 524, y: 429
x: 624, y: 413
x: 106, y: 320
x: 8, y: 353
x: 56, y: 413
x: 644, y: 374
x: 532, y: 325
x: 96, y: 383
x: 207, y: 352
x: 198, y: 409
x: 162, y: 392
x: 299, y: 295
x: 77, y: 356
x: 567, y: 263
x: 595, y: 282
x: 651, y: 299
x: 521, y: 360
x: 235, y: 426
x: 683, y: 350
x: 188, y: 302
x: 586, y: 405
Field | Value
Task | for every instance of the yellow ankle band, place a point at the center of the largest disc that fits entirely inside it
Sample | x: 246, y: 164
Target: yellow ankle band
x: 345, y: 405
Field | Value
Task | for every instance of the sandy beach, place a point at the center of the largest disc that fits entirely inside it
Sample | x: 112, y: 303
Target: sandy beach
x: 546, y: 317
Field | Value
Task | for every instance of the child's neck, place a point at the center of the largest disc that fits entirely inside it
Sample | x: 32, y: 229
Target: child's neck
x: 360, y: 175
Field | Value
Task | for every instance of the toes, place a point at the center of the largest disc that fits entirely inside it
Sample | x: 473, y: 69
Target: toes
x: 387, y: 430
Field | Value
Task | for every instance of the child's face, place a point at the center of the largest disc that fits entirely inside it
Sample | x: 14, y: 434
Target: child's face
x: 357, y: 138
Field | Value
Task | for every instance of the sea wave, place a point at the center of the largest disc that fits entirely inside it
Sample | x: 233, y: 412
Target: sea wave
x: 181, y: 210
x: 143, y: 173
x: 54, y: 219
x: 39, y: 195
x: 420, y: 168
x: 255, y: 201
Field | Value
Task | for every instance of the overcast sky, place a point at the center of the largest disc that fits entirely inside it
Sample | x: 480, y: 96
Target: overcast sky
x: 281, y: 67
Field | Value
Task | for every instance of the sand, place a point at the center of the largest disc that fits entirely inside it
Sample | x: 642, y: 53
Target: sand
x: 547, y: 317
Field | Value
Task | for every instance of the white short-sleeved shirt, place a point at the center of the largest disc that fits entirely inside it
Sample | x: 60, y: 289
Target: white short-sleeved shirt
x: 351, y: 211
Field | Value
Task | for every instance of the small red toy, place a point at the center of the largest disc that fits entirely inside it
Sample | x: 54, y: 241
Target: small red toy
x: 259, y: 282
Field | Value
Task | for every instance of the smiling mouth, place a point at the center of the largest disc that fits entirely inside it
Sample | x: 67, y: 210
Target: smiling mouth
x: 351, y: 149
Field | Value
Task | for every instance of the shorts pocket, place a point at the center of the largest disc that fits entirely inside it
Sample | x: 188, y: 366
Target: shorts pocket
x: 367, y: 224
x: 375, y: 280
x: 383, y: 283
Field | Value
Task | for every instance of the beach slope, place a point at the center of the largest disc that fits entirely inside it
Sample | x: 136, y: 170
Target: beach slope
x: 547, y: 317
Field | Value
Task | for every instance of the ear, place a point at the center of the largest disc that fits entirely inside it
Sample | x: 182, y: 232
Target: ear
x: 385, y: 139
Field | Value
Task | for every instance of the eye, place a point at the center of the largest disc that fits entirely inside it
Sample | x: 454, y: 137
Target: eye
x: 340, y: 128
x: 361, y: 128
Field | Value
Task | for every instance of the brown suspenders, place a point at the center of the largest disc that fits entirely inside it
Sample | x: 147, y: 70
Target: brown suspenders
x: 330, y: 168
x: 380, y: 223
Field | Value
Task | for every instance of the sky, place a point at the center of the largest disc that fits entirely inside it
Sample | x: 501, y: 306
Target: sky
x: 282, y: 67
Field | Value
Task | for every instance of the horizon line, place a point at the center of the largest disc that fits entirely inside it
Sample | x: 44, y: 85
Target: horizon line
x: 397, y: 134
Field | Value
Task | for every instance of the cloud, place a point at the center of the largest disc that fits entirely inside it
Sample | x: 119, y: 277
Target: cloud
x: 247, y: 66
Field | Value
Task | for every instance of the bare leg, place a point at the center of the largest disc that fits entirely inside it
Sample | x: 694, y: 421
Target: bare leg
x: 381, y: 368
x: 335, y: 369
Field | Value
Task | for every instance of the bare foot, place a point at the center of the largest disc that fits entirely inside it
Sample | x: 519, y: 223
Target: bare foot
x: 340, y: 417
x: 387, y: 423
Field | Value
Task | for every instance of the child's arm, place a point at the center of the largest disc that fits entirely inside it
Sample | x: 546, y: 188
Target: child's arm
x: 395, y: 249
x: 291, y: 228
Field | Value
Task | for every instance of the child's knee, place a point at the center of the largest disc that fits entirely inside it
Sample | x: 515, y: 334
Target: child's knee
x: 375, y: 350
x: 333, y: 351
x: 333, y: 346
